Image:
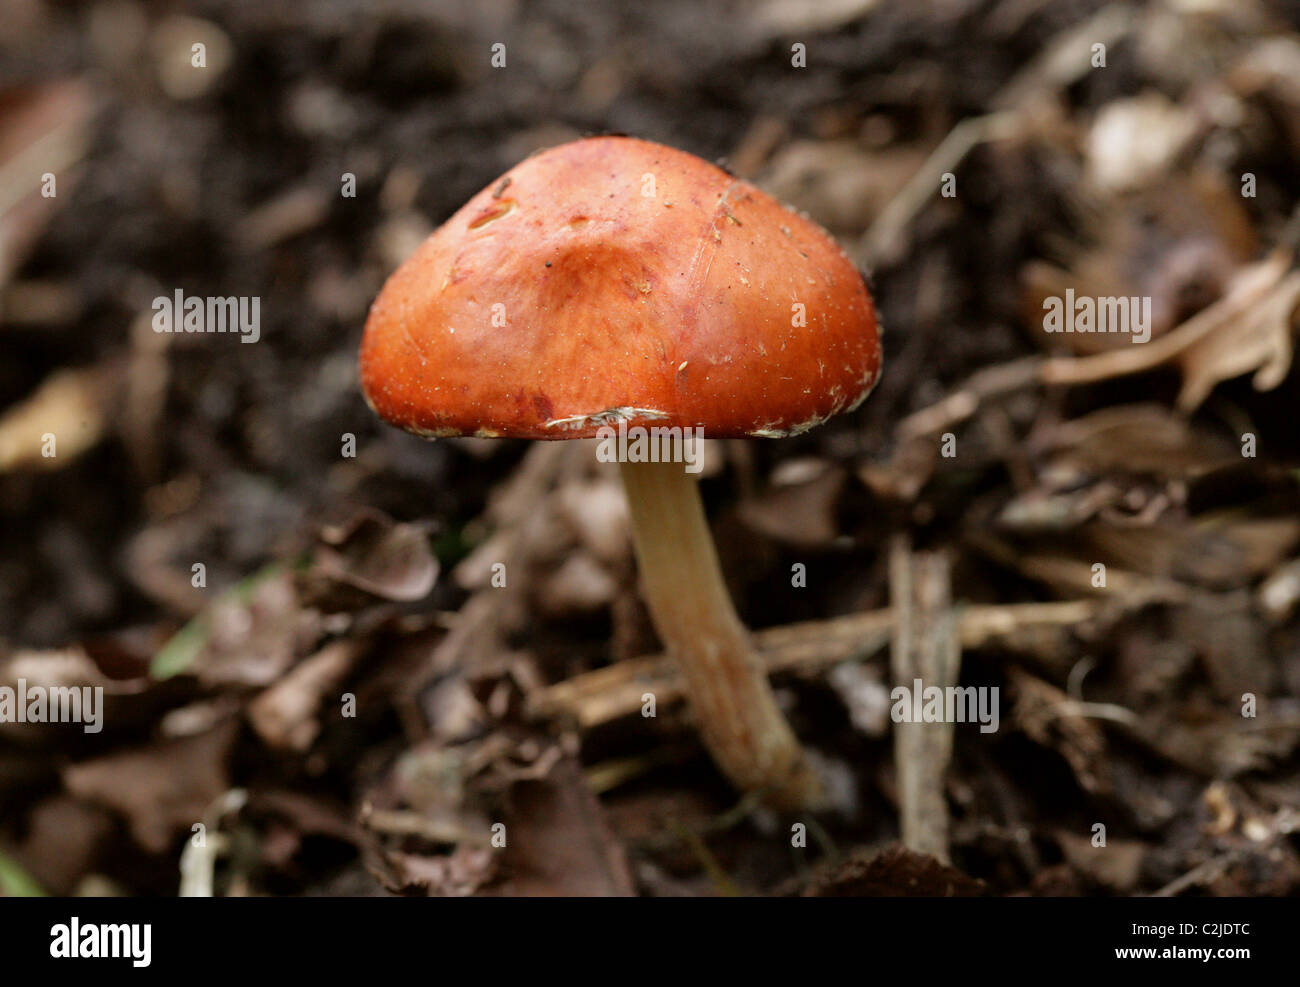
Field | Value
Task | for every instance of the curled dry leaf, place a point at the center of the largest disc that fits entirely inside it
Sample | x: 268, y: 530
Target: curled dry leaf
x: 1178, y: 243
x: 559, y: 842
x: 373, y: 553
x: 1050, y: 719
x: 63, y: 668
x: 1249, y: 329
x: 1257, y: 337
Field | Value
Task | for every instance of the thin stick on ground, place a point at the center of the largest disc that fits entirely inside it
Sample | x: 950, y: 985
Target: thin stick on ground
x: 926, y: 652
x: 615, y: 691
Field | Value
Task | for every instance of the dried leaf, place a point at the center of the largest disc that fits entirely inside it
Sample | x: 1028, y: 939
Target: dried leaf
x: 43, y: 130
x: 162, y: 789
x: 1046, y: 714
x: 62, y: 668
x: 64, y: 837
x: 248, y: 636
x: 285, y: 716
x: 559, y: 843
x: 63, y: 418
x: 801, y: 512
x: 1256, y: 337
x: 1248, y: 329
x: 1135, y: 438
x: 1116, y: 866
x: 373, y: 553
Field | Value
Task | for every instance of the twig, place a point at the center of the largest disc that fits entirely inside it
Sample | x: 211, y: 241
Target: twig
x: 1199, y: 875
x: 609, y: 693
x: 1064, y: 61
x: 926, y: 648
x: 982, y: 386
x: 1066, y: 58
x: 398, y: 822
x: 1253, y: 283
x: 883, y: 241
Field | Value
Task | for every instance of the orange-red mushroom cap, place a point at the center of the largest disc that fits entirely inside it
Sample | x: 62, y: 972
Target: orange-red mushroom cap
x: 613, y: 279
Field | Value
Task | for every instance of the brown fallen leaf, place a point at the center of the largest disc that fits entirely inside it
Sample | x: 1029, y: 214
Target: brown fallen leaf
x: 248, y: 636
x: 1133, y: 438
x: 62, y: 668
x: 1214, y: 551
x: 373, y: 553
x: 1178, y: 243
x: 287, y: 715
x: 1249, y: 329
x: 1115, y: 866
x: 1257, y: 338
x: 1050, y: 718
x: 559, y: 843
x: 801, y: 511
x: 162, y: 789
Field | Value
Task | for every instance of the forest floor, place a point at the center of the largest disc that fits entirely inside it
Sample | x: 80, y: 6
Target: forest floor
x: 1108, y: 532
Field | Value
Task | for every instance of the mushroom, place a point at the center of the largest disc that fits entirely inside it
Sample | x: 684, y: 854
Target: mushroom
x: 615, y: 282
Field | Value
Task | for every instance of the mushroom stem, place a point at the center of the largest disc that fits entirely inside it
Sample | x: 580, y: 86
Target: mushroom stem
x: 741, y: 724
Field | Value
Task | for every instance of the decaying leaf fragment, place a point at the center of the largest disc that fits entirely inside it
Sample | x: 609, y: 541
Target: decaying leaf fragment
x: 1248, y: 330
